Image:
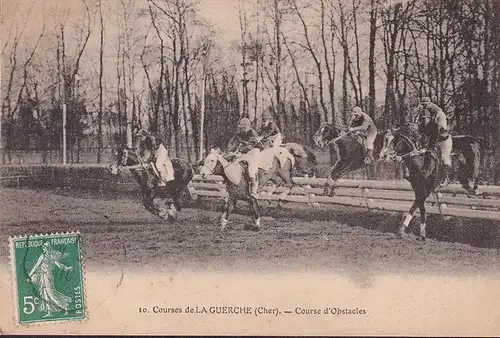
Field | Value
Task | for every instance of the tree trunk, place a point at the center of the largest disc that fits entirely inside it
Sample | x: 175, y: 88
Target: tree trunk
x: 101, y: 73
x: 371, y: 59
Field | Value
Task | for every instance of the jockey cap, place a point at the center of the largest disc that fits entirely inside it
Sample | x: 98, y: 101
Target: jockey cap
x: 357, y: 111
x: 142, y: 133
x: 244, y: 123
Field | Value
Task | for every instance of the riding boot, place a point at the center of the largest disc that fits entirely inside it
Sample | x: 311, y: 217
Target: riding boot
x: 406, y: 172
x: 163, y: 176
x: 253, y: 186
x: 157, y: 172
x: 427, y: 164
x: 369, y: 158
x: 446, y: 176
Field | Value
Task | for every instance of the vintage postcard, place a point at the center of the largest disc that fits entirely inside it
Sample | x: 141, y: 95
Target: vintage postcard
x: 250, y: 167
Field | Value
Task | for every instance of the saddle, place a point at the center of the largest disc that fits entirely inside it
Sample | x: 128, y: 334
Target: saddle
x: 359, y: 137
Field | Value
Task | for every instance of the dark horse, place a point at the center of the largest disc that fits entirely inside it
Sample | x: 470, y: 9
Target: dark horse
x: 305, y: 160
x: 425, y: 179
x: 279, y: 166
x: 142, y: 172
x: 350, y: 151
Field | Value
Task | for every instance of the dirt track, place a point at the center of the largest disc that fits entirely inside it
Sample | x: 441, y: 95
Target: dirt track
x: 118, y: 231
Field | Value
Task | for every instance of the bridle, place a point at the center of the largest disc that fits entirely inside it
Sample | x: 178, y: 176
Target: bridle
x: 411, y: 144
x: 342, y: 133
x: 218, y: 160
x: 126, y: 155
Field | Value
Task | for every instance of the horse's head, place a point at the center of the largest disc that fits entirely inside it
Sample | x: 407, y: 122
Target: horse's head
x: 399, y: 142
x: 326, y: 134
x: 209, y: 165
x: 124, y: 156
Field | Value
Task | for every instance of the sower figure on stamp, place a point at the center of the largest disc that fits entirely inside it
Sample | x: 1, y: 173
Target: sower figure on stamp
x: 363, y: 124
x: 153, y: 151
x: 435, y: 135
x: 245, y: 141
x: 269, y: 132
x: 41, y: 274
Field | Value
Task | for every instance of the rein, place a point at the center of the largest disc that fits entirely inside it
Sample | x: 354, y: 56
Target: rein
x: 218, y: 160
x: 342, y: 135
x: 141, y: 165
x: 413, y: 151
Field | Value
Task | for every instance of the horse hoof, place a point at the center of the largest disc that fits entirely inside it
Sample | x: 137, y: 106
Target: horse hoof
x: 173, y: 213
x: 163, y: 213
x: 420, y: 238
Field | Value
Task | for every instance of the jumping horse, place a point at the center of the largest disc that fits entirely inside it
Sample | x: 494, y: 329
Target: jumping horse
x: 423, y: 168
x: 127, y: 158
x: 350, y: 152
x: 237, y: 182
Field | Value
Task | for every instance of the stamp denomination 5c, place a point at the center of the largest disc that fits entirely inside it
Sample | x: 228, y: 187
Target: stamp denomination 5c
x: 47, y: 273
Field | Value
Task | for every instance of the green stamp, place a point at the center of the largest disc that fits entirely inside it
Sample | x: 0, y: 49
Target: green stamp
x: 48, y: 278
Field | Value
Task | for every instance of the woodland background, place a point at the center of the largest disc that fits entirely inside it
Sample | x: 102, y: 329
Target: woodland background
x: 160, y: 64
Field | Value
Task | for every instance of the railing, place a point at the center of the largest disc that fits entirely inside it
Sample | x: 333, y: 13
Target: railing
x: 371, y: 194
x: 376, y: 195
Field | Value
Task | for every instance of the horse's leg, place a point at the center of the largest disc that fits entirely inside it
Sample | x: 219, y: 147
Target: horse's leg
x: 263, y: 181
x: 255, y: 209
x: 335, y: 173
x: 423, y: 220
x: 228, y: 209
x: 286, y: 175
x: 408, y: 218
x: 148, y: 201
x: 176, y: 206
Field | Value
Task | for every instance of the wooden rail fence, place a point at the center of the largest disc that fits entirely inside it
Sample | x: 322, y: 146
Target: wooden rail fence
x: 376, y: 195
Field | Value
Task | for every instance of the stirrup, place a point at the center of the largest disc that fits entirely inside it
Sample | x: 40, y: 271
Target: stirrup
x: 444, y: 183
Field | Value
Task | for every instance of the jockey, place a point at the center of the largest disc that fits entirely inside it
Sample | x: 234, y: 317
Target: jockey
x: 440, y: 139
x: 270, y: 131
x: 362, y: 123
x: 245, y: 141
x: 158, y: 155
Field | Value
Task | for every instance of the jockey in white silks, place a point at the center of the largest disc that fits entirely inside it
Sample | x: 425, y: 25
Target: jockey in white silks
x: 245, y: 141
x: 161, y: 159
x: 270, y: 131
x: 362, y: 123
x: 442, y: 140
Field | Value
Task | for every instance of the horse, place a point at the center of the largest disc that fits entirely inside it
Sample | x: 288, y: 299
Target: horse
x: 305, y: 159
x: 466, y: 156
x: 148, y: 181
x: 237, y: 183
x: 350, y: 152
x: 424, y: 179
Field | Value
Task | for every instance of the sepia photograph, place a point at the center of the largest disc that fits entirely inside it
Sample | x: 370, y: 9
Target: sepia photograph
x: 250, y: 167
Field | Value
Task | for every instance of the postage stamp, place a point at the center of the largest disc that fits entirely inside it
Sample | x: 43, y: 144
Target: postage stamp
x: 48, y: 278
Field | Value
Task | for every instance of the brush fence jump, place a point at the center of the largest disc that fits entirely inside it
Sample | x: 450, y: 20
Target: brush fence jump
x: 376, y: 195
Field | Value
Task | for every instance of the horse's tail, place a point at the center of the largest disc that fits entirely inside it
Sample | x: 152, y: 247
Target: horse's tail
x: 190, y: 171
x: 470, y: 148
x: 311, y: 157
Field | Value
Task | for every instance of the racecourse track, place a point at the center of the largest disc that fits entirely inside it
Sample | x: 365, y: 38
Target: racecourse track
x: 117, y: 230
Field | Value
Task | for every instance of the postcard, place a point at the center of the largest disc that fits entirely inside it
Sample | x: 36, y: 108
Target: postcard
x: 250, y: 167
